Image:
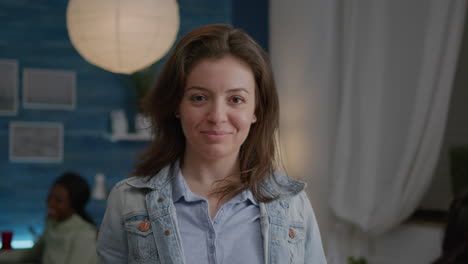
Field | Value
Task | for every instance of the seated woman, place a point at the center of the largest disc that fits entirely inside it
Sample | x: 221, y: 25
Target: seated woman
x: 455, y: 244
x: 70, y: 234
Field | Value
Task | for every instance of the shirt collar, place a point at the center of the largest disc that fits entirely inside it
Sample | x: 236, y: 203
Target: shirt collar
x: 178, y: 188
x: 247, y: 195
x: 181, y: 189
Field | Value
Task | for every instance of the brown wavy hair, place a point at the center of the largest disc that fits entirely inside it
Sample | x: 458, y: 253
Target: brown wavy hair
x: 258, y: 155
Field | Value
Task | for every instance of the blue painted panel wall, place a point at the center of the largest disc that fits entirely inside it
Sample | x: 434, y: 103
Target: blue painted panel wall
x: 252, y: 17
x: 34, y: 33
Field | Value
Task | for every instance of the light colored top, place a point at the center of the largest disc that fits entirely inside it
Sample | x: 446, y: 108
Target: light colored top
x: 234, y: 229
x: 72, y: 241
x: 141, y: 226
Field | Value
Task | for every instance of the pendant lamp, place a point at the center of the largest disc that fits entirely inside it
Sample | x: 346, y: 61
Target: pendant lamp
x: 122, y: 36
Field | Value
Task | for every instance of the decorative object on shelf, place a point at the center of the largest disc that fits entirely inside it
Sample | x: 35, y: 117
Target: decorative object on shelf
x: 142, y: 125
x: 119, y: 122
x: 122, y: 36
x: 120, y: 128
x: 99, y: 188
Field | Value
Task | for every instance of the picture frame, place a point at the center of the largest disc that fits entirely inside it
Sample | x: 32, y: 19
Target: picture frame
x: 49, y: 89
x: 8, y: 87
x: 36, y: 142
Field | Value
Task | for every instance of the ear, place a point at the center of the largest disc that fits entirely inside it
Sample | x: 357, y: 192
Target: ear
x: 177, y: 115
x: 254, y: 119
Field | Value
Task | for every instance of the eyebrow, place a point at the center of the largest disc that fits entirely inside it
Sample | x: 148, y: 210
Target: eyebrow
x: 228, y: 91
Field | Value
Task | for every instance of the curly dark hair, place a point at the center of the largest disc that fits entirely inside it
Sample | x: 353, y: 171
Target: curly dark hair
x: 78, y: 192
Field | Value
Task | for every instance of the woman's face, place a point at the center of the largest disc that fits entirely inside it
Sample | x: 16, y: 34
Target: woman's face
x: 217, y: 108
x: 58, y: 203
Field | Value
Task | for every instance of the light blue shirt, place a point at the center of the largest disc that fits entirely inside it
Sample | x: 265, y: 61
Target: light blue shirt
x: 232, y: 236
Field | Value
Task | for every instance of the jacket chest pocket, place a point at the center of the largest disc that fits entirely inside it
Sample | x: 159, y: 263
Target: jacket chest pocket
x: 141, y: 243
x: 296, y: 244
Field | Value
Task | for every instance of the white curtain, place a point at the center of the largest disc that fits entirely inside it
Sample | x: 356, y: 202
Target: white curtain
x: 385, y: 71
x: 398, y: 62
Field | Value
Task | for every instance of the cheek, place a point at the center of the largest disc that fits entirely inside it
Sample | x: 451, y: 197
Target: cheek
x: 244, y: 120
x: 63, y: 207
x: 189, y: 121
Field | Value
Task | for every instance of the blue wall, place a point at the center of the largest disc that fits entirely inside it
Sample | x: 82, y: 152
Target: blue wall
x: 34, y: 33
x: 252, y: 16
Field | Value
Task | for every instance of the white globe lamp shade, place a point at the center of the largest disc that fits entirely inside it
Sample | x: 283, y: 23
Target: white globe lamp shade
x: 122, y: 36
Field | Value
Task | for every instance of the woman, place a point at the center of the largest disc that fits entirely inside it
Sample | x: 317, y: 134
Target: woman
x: 206, y: 190
x: 70, y: 235
x: 455, y: 244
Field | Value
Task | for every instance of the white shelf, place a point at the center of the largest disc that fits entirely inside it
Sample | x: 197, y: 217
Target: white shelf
x: 120, y: 128
x: 131, y: 137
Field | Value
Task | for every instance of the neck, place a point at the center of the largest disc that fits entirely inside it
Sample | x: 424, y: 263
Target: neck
x: 206, y: 172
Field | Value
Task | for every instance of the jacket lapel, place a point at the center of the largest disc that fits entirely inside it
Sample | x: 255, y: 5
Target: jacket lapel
x: 274, y: 222
x: 161, y: 212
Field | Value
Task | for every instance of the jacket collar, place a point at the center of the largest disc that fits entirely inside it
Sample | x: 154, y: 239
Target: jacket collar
x: 278, y: 185
x: 281, y: 186
x: 154, y: 182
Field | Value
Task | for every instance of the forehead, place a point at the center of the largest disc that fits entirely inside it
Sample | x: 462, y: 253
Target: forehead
x: 59, y: 191
x: 227, y: 72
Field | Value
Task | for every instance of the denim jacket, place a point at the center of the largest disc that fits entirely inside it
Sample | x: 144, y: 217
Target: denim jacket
x: 140, y: 224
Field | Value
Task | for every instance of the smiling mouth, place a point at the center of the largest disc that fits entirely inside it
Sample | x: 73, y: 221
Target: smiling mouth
x: 215, y: 133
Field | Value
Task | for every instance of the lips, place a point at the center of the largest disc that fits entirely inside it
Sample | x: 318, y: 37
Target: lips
x: 215, y: 133
x: 215, y: 136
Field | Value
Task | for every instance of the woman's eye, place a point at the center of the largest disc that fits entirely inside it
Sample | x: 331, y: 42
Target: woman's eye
x: 197, y: 98
x: 237, y: 100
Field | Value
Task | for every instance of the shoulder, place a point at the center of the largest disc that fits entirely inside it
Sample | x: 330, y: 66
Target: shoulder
x: 87, y: 233
x: 129, y: 195
x: 132, y: 186
x: 83, y: 226
x: 130, y: 182
x: 297, y: 207
x: 300, y: 206
x: 300, y: 199
x: 280, y: 186
x: 153, y: 182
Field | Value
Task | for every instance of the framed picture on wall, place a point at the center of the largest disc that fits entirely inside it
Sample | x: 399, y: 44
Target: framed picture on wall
x: 8, y: 87
x: 49, y: 89
x: 36, y: 142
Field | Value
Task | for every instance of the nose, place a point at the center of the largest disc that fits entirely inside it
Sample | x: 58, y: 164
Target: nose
x: 217, y: 112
